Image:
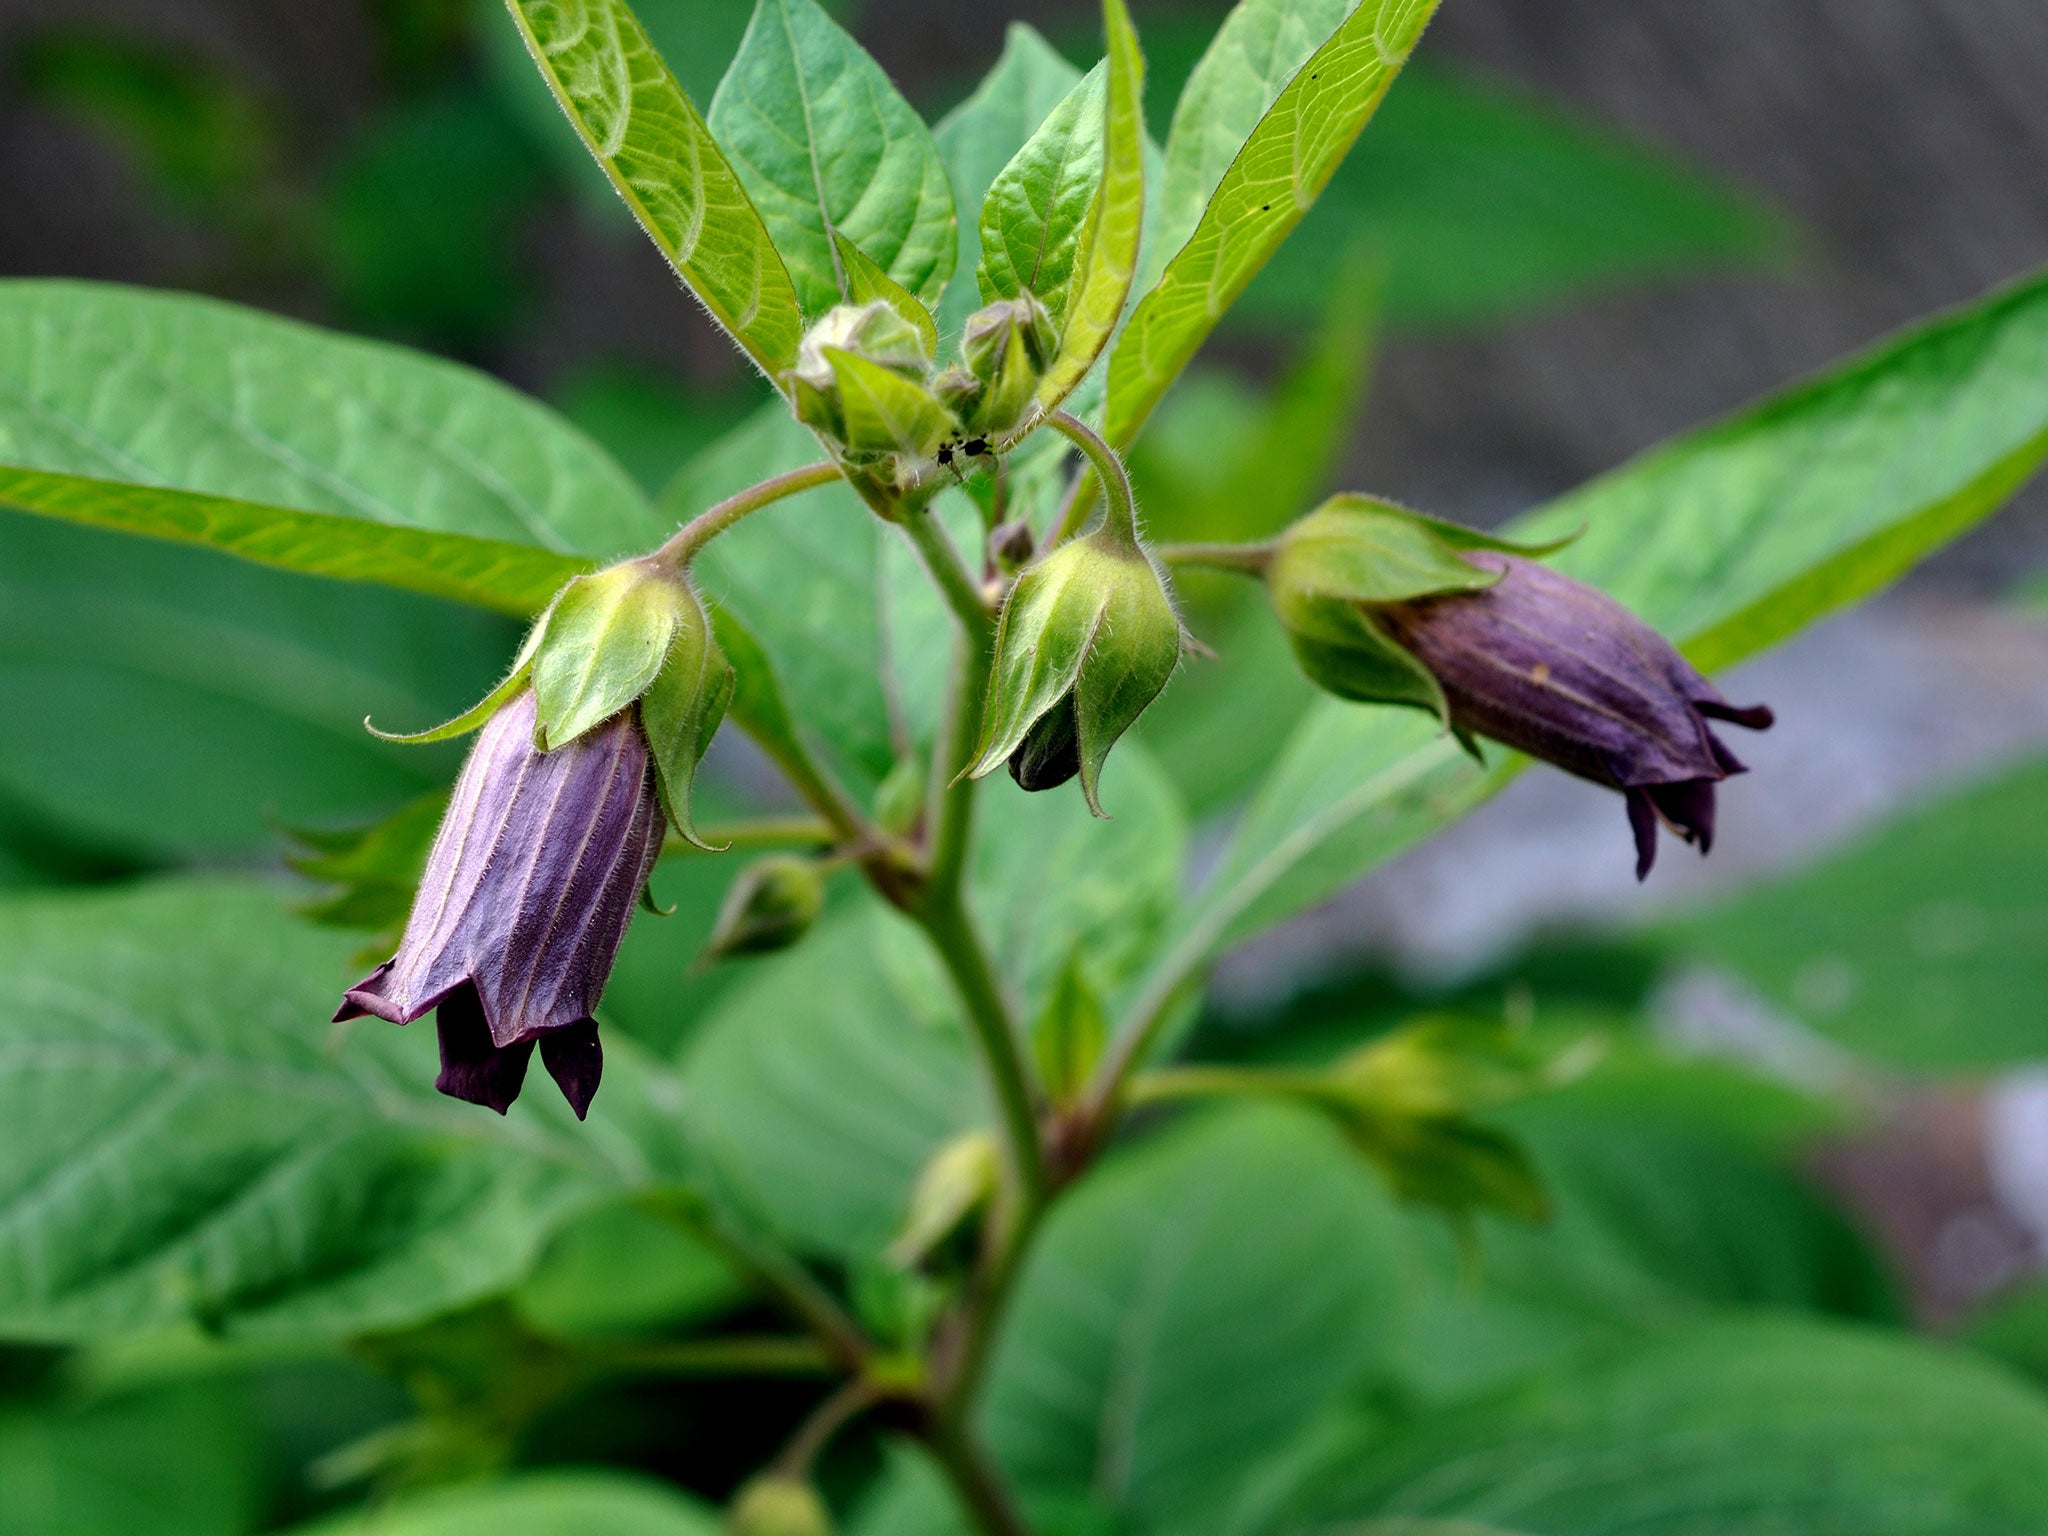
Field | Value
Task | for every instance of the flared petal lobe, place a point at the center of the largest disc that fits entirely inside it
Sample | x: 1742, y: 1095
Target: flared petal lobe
x: 528, y: 890
x: 1559, y: 670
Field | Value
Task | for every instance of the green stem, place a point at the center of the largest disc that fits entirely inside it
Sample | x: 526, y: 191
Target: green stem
x: 955, y: 581
x: 1247, y: 559
x: 1168, y: 1084
x: 1122, y: 517
x: 975, y: 1481
x: 827, y: 1419
x: 761, y: 832
x: 718, y: 1357
x: 700, y: 530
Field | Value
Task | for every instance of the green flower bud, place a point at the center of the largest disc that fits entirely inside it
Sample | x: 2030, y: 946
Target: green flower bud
x: 1006, y: 347
x: 771, y: 906
x: 883, y: 353
x: 958, y: 1181
x: 777, y: 1505
x: 1088, y: 639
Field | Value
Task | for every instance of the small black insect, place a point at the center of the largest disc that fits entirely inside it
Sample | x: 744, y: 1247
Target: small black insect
x: 946, y: 453
x: 974, y: 447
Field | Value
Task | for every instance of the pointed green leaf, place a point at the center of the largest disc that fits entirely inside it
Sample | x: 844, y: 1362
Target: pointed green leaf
x: 1035, y: 213
x: 825, y: 143
x: 866, y: 282
x: 189, y: 419
x: 884, y: 411
x: 981, y: 135
x: 1728, y: 539
x: 1108, y: 257
x: 683, y: 709
x: 1068, y: 1038
x: 1272, y: 181
x: 651, y: 141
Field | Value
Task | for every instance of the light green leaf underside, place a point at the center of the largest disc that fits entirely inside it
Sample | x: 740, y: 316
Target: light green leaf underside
x: 981, y: 136
x: 508, y: 578
x: 190, y: 1142
x: 824, y: 142
x: 1033, y: 217
x: 534, y: 1504
x: 1269, y: 185
x: 1728, y: 540
x: 246, y: 413
x: 1742, y: 1428
x: 642, y: 128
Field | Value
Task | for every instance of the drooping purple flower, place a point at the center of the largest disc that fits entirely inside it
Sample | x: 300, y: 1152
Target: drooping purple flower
x: 528, y: 890
x: 1559, y: 670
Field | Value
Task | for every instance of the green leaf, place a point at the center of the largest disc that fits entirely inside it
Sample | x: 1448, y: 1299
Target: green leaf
x: 623, y: 1270
x: 171, y: 703
x: 1271, y: 182
x: 1155, y: 1351
x: 825, y: 144
x: 823, y: 1084
x: 1915, y: 947
x: 866, y: 282
x: 390, y: 466
x: 1037, y: 209
x: 981, y: 136
x: 1749, y: 1428
x: 665, y: 163
x: 1728, y: 539
x: 1258, y: 50
x: 179, y: 1460
x: 1479, y: 204
x: 191, y: 1143
x: 534, y: 1504
x: 1107, y: 258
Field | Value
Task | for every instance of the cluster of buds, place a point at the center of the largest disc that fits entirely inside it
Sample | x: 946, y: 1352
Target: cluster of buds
x: 865, y: 382
x: 1383, y: 605
x: 585, y: 758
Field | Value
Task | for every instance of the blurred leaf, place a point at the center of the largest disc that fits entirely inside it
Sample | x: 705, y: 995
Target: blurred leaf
x: 1729, y: 539
x: 535, y: 1504
x: 1479, y: 203
x: 375, y: 869
x: 1281, y: 168
x: 189, y: 1143
x: 421, y: 217
x: 1188, y: 1310
x: 978, y: 138
x: 220, y: 417
x: 178, y: 1460
x: 1919, y: 945
x: 2014, y: 1328
x: 173, y: 703
x: 651, y: 423
x: 1036, y: 210
x: 824, y: 142
x: 1749, y: 1428
x: 666, y: 165
x: 821, y: 1088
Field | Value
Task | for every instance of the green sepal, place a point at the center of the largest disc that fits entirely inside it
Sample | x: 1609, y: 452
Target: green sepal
x: 1342, y: 650
x: 1365, y: 550
x: 475, y: 717
x: 1092, y: 620
x: 867, y: 282
x: 683, y: 708
x: 775, y: 902
x: 958, y: 1181
x: 884, y: 412
x: 606, y: 641
x: 1068, y: 1040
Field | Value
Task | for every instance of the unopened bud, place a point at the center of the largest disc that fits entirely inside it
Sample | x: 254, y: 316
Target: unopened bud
x: 772, y: 905
x: 1006, y: 348
x: 957, y: 1182
x: 1088, y: 639
x: 873, y: 353
x: 775, y: 1505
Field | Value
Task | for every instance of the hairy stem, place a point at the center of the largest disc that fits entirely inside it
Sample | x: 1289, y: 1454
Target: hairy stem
x: 1246, y: 559
x: 700, y: 530
x: 1122, y: 516
x: 949, y: 571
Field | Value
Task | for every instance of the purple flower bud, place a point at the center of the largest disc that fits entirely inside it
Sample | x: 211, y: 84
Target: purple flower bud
x: 1558, y: 670
x: 527, y: 893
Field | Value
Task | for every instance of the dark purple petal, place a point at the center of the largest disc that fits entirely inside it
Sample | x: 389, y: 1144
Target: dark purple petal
x: 574, y: 1058
x: 1562, y: 672
x: 473, y: 1066
x: 528, y: 890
